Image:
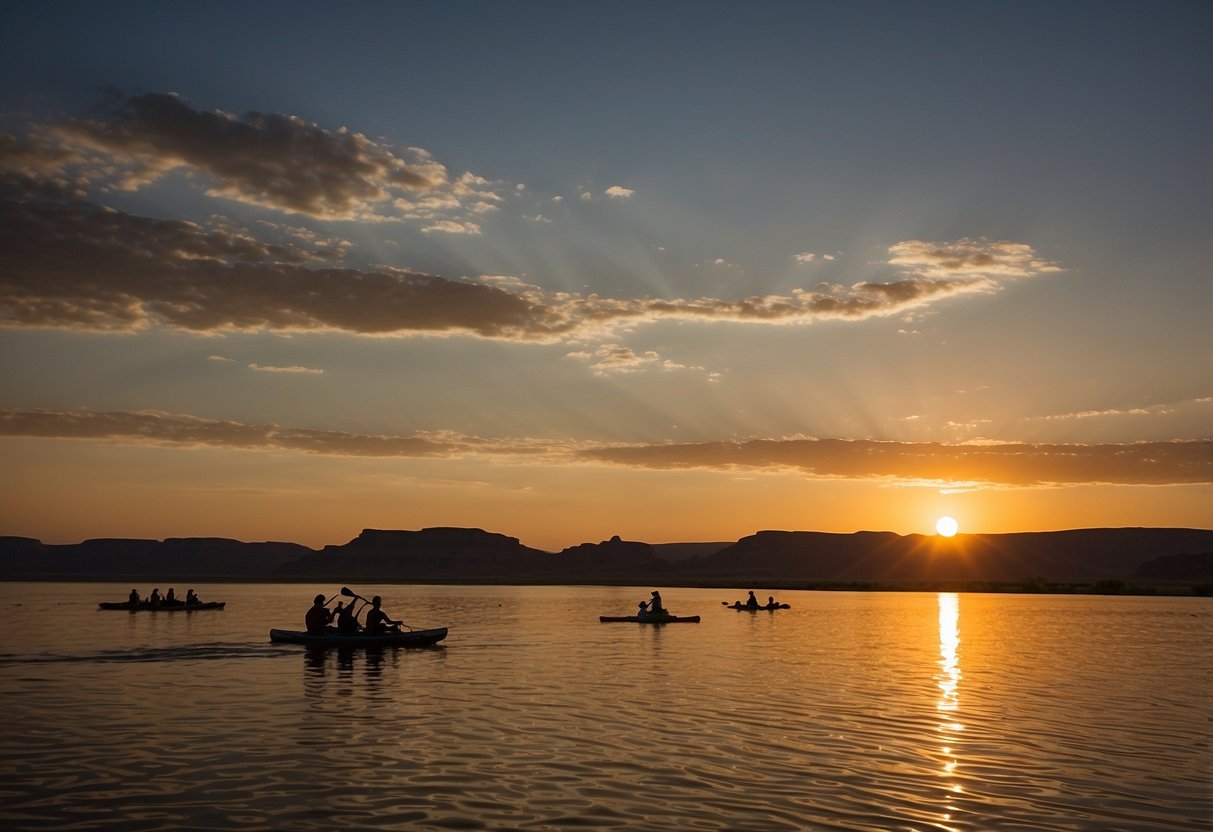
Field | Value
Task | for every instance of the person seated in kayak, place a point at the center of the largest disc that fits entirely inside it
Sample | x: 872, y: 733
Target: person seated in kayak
x: 771, y: 602
x: 171, y: 598
x: 153, y: 600
x: 643, y: 611
x: 133, y: 600
x: 377, y: 620
x: 191, y: 598
x: 347, y: 621
x: 655, y: 607
x: 318, y: 617
x: 751, y: 602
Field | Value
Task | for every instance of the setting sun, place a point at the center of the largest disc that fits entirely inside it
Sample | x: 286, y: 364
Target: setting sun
x: 947, y: 526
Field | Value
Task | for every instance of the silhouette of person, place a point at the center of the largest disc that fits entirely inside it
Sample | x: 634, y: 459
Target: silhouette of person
x: 377, y: 620
x: 655, y: 607
x: 643, y: 611
x: 191, y: 597
x: 771, y: 602
x: 171, y: 598
x: 347, y: 621
x: 133, y: 600
x: 153, y: 600
x: 317, y: 617
x: 752, y: 602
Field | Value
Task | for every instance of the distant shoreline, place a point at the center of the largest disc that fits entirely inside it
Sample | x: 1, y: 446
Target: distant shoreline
x: 1102, y: 587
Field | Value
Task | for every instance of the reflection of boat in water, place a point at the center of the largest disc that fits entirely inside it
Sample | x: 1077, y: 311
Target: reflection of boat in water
x: 652, y: 619
x: 759, y: 608
x: 408, y: 638
x: 163, y: 606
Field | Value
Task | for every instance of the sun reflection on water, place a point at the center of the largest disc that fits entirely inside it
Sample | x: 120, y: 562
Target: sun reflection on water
x: 948, y: 681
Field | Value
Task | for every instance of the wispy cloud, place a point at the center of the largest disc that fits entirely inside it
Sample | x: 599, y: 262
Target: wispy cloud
x: 1006, y: 464
x: 81, y: 266
x: 294, y: 369
x: 1164, y: 409
x: 451, y: 227
x: 968, y: 465
x: 613, y: 359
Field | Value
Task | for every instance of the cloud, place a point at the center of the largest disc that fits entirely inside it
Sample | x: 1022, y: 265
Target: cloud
x: 999, y: 464
x: 968, y: 465
x: 1203, y: 403
x: 981, y: 258
x: 223, y: 359
x: 275, y: 161
x: 451, y: 227
x: 294, y: 369
x: 78, y: 265
x: 618, y: 192
x: 804, y: 257
x: 152, y: 427
x: 613, y: 359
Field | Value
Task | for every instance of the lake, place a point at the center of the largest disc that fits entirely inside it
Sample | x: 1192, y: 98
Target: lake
x: 850, y: 711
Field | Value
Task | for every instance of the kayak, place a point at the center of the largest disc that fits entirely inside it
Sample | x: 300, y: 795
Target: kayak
x: 766, y: 607
x: 407, y: 638
x: 652, y: 619
x: 162, y: 606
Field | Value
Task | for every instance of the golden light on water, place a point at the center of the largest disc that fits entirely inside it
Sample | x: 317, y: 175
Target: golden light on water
x: 948, y: 680
x: 947, y: 526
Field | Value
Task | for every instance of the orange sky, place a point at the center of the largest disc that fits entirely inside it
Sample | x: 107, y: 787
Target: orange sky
x: 687, y: 290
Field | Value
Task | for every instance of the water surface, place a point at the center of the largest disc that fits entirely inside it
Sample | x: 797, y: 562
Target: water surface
x: 851, y: 711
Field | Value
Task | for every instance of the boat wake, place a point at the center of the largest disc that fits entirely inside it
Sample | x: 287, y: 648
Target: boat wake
x: 193, y: 652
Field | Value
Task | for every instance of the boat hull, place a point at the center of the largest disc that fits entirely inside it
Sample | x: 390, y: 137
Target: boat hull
x: 651, y: 619
x: 762, y: 608
x: 408, y: 638
x: 162, y: 607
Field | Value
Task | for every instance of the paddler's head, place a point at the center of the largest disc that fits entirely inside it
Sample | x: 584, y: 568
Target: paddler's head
x: 319, y: 599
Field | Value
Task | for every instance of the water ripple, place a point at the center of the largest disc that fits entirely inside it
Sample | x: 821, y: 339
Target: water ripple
x: 848, y: 712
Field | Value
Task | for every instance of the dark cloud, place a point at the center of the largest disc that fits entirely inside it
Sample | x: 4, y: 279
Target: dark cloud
x: 79, y: 265
x: 277, y: 161
x: 82, y: 266
x: 1018, y: 464
x: 158, y: 428
x: 975, y: 465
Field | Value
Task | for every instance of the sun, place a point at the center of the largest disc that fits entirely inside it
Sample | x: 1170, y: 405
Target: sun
x: 947, y: 526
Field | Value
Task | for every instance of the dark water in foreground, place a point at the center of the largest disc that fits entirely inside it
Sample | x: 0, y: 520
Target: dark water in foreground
x: 851, y: 711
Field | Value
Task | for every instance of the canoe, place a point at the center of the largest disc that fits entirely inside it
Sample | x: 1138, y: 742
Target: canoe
x: 162, y: 607
x: 652, y: 619
x: 760, y: 607
x: 407, y: 638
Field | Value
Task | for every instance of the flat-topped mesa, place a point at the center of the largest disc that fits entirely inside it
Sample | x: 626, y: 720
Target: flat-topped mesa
x: 610, y: 555
x: 441, y: 553
x: 438, y: 538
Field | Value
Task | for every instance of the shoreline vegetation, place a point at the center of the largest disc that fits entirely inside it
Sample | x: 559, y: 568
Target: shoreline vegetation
x: 1127, y: 561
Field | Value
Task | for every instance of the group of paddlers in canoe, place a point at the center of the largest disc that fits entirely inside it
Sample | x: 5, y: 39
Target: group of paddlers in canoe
x: 168, y: 602
x: 320, y: 618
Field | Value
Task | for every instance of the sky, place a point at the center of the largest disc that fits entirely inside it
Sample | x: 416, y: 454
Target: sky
x: 676, y: 271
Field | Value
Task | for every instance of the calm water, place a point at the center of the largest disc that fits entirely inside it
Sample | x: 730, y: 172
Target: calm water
x: 853, y: 711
